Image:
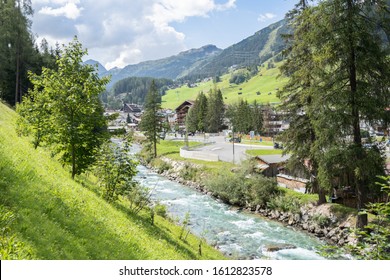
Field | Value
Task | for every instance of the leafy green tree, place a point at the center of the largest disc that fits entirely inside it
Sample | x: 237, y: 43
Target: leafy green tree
x: 69, y: 98
x: 151, y: 118
x: 115, y: 169
x: 373, y: 242
x: 34, y: 117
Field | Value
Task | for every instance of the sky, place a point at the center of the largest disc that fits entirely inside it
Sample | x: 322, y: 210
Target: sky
x: 121, y: 32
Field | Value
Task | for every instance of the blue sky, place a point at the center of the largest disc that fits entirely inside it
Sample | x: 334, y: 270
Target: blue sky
x: 122, y: 32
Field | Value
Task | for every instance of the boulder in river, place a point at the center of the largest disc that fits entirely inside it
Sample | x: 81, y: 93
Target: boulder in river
x: 278, y: 247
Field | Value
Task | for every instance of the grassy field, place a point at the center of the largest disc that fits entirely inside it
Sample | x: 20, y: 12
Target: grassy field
x: 264, y: 152
x: 44, y: 214
x: 266, y: 82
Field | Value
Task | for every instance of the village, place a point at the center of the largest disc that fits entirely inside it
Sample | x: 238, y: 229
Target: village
x: 224, y: 146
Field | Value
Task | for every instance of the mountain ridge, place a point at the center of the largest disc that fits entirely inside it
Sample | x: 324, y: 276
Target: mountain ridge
x: 206, y: 61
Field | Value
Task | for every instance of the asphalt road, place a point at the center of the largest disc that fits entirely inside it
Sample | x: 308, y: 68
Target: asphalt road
x: 226, y: 150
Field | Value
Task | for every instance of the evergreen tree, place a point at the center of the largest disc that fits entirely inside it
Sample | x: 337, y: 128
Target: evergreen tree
x: 296, y: 96
x: 257, y: 118
x: 151, y: 119
x: 202, y: 104
x: 215, y: 111
x: 341, y: 78
x: 18, y: 54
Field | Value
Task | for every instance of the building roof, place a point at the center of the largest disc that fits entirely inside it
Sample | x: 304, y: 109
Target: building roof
x: 134, y: 108
x: 185, y: 103
x: 269, y: 159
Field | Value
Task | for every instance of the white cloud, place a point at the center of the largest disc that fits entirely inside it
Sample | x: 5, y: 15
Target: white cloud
x: 121, y: 32
x: 70, y: 11
x: 265, y: 17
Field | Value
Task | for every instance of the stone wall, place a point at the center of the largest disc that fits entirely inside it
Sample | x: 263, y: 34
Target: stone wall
x: 291, y: 182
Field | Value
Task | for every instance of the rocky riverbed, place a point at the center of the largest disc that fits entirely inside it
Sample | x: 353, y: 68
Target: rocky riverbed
x: 316, y: 220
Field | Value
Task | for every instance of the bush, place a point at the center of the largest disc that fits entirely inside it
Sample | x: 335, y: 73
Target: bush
x: 321, y: 220
x: 161, y: 210
x: 261, y: 190
x: 160, y: 165
x: 189, y: 173
x: 285, y: 203
x: 243, y: 189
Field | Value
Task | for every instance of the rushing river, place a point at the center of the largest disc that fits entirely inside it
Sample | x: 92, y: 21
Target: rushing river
x: 237, y: 234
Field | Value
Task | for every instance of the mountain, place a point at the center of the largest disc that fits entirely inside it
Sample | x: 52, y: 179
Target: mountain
x: 102, y: 71
x: 253, y: 50
x: 207, y: 61
x: 170, y: 68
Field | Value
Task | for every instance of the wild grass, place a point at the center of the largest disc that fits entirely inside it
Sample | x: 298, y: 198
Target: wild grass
x: 58, y: 218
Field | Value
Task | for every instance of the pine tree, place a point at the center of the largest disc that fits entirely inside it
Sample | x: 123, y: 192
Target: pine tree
x: 339, y: 75
x: 215, y: 111
x: 151, y: 119
x: 296, y: 96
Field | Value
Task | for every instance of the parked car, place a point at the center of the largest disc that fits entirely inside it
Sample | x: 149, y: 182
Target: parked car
x: 235, y: 140
x: 278, y: 145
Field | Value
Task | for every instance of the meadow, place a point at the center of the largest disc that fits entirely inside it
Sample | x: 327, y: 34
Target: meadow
x: 266, y: 82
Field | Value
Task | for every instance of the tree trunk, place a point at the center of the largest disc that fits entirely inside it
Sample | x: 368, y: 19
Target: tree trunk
x: 73, y: 161
x: 361, y: 192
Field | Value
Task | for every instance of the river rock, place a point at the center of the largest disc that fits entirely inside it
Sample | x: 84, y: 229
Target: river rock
x: 278, y: 247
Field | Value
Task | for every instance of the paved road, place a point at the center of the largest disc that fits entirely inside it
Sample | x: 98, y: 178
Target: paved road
x: 224, y: 149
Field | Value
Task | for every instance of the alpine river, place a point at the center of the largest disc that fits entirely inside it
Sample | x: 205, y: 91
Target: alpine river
x: 238, y: 234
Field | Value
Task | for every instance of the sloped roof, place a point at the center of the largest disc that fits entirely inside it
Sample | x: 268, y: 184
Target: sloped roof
x: 269, y: 159
x: 185, y: 103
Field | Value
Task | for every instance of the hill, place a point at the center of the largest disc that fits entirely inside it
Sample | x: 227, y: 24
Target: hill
x: 44, y: 214
x: 206, y: 61
x: 261, y: 87
x: 171, y: 67
x: 253, y: 50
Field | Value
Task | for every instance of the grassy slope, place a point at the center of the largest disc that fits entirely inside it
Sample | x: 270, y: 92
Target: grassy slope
x: 265, y: 82
x: 58, y: 218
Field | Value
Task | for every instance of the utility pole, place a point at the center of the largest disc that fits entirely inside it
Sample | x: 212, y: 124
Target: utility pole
x: 233, y: 141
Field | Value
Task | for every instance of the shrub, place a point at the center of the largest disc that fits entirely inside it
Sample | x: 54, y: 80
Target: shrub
x: 189, y: 173
x: 261, y: 190
x: 139, y: 197
x: 160, y: 165
x: 243, y: 189
x: 115, y: 169
x: 321, y: 220
x: 284, y: 203
x: 161, y: 210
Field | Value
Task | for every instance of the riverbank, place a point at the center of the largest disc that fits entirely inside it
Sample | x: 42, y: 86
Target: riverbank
x: 328, y: 222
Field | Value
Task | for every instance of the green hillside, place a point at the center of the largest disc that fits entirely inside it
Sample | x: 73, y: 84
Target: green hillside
x: 266, y: 82
x: 46, y: 215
